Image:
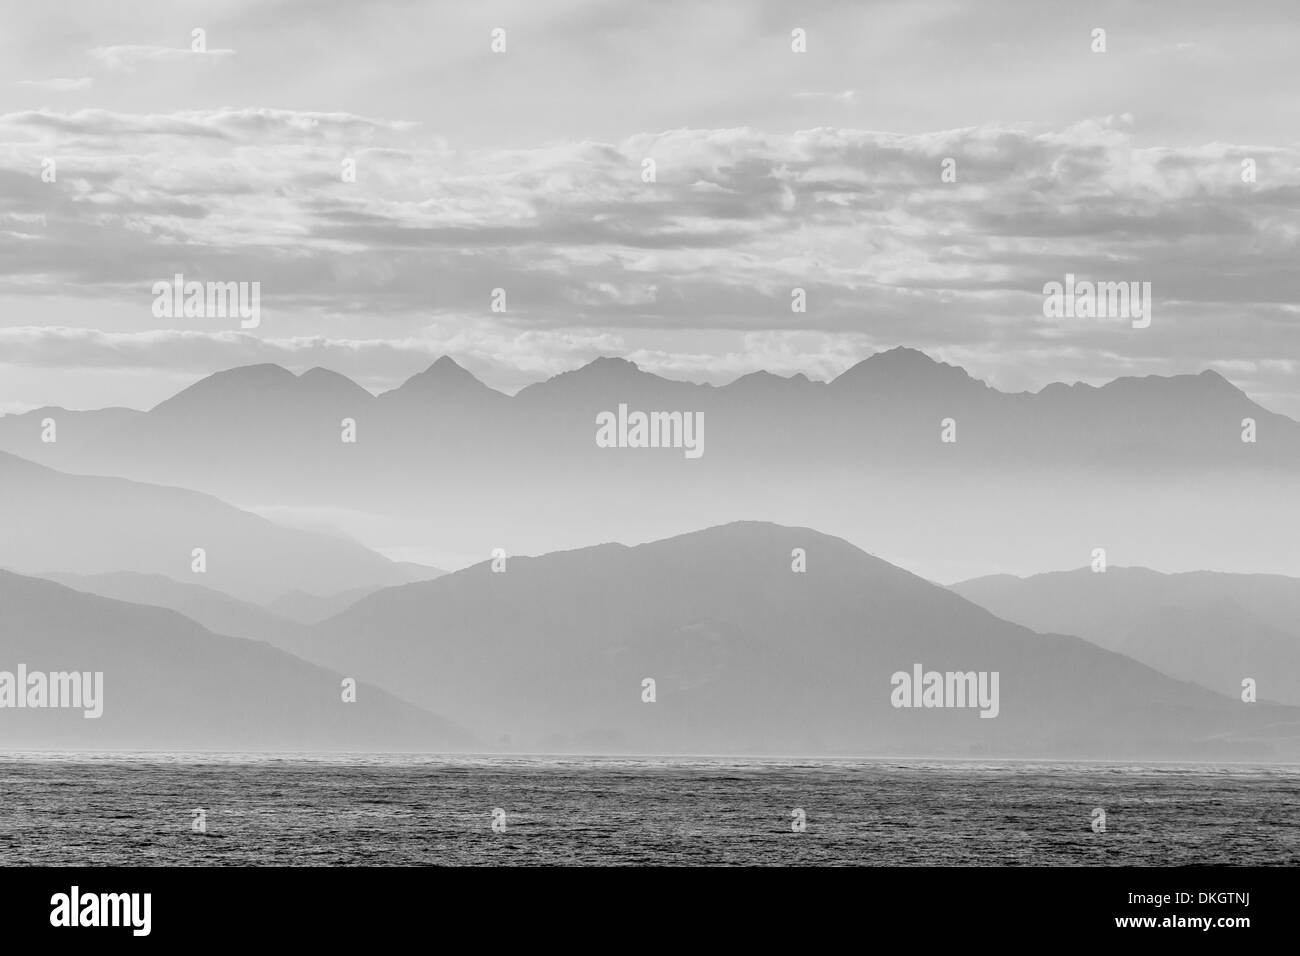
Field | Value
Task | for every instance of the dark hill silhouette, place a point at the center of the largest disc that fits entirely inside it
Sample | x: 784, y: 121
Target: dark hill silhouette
x: 749, y: 656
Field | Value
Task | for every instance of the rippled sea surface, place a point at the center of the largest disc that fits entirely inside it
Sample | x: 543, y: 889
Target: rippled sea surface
x: 423, y: 810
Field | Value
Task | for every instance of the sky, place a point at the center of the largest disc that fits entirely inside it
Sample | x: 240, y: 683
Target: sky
x: 524, y: 170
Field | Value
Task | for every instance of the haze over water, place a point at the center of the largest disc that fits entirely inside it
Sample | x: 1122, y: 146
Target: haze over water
x: 77, y: 809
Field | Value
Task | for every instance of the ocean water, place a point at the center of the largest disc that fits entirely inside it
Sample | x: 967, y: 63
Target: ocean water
x: 135, y: 809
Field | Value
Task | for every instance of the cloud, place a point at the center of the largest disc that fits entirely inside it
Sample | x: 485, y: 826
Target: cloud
x: 504, y: 358
x: 732, y: 220
x: 589, y: 248
x: 175, y: 349
x: 126, y: 58
x: 844, y: 97
x: 253, y: 126
x: 60, y: 85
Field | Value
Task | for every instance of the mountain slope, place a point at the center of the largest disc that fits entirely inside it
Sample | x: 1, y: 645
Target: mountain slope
x: 169, y: 684
x: 442, y: 383
x: 750, y: 657
x: 1215, y: 629
x: 88, y: 525
x: 305, y: 608
x: 214, y: 610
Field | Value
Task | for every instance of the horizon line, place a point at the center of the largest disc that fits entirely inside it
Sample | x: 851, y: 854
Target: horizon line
x: 637, y: 369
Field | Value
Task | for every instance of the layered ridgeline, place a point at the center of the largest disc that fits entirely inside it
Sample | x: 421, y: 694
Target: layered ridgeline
x: 748, y: 655
x: 1028, y: 480
x: 169, y: 684
x: 82, y: 524
x: 1215, y: 629
x: 214, y: 610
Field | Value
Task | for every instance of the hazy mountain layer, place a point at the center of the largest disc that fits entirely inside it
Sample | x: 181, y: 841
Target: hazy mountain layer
x: 749, y: 656
x: 1215, y: 629
x: 169, y: 684
x: 445, y: 465
x: 82, y: 524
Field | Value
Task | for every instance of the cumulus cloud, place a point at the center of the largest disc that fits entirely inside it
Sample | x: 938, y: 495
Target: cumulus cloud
x: 587, y: 244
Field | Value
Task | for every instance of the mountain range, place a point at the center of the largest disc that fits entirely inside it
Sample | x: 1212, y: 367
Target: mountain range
x: 746, y: 654
x: 750, y: 656
x: 896, y: 399
x: 443, y: 462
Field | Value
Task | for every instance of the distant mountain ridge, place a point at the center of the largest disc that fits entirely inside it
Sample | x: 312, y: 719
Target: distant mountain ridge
x: 444, y: 464
x: 84, y: 524
x: 900, y: 368
x: 886, y: 392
